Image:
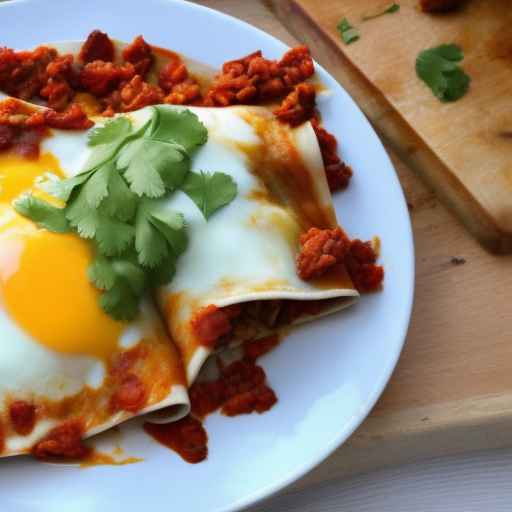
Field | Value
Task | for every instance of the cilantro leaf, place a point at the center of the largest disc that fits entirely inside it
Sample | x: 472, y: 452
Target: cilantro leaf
x: 140, y: 170
x: 163, y: 273
x: 113, y: 237
x: 348, y: 33
x: 179, y: 126
x: 132, y: 273
x: 151, y: 166
x: 160, y: 234
x: 120, y: 302
x: 175, y: 167
x: 122, y: 202
x: 210, y: 191
x: 123, y: 282
x: 82, y: 217
x: 172, y: 226
x: 150, y: 244
x: 62, y: 189
x: 458, y: 84
x: 44, y: 214
x: 101, y: 274
x: 126, y: 282
x: 112, y: 131
x: 96, y: 187
x: 438, y: 67
x: 394, y: 7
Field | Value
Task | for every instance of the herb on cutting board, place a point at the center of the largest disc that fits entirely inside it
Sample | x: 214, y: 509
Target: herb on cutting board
x: 388, y: 10
x: 348, y: 33
x: 439, y: 68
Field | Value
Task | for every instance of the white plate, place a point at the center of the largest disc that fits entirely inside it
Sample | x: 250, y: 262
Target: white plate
x: 327, y: 375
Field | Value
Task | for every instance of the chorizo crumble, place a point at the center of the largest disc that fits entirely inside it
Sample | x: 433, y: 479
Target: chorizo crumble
x: 122, y: 85
x: 322, y: 249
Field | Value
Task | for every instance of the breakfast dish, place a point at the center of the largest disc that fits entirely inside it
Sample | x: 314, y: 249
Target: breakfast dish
x: 327, y: 374
x: 116, y: 199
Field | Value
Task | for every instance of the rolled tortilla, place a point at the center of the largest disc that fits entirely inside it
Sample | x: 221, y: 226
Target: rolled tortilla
x: 246, y: 252
x: 79, y: 389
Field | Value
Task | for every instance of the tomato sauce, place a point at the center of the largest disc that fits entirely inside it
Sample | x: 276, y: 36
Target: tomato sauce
x: 63, y: 441
x: 23, y: 417
x: 187, y: 437
x: 209, y: 324
x: 255, y: 349
x: 239, y: 389
x: 130, y: 394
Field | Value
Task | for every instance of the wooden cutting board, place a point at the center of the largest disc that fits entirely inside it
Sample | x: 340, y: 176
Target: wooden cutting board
x: 462, y: 149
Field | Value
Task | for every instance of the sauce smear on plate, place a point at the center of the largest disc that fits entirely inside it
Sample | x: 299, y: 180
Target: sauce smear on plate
x: 187, y: 437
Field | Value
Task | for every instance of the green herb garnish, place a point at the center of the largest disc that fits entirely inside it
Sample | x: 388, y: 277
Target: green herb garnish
x: 42, y: 213
x: 116, y: 202
x: 388, y: 10
x: 348, y: 33
x: 438, y: 67
x: 210, y: 191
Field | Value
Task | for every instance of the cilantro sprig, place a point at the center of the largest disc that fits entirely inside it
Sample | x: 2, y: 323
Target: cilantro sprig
x: 118, y: 202
x: 439, y: 68
x: 394, y: 7
x: 348, y: 33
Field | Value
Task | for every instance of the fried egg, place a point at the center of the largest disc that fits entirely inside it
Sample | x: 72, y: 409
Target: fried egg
x: 56, y: 343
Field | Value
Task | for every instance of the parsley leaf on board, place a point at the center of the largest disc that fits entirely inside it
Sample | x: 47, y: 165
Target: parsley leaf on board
x: 113, y: 202
x: 210, y: 191
x: 394, y: 7
x: 439, y: 68
x: 44, y: 214
x: 348, y: 33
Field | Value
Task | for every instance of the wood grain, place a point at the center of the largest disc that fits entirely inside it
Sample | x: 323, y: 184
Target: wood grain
x: 452, y: 389
x: 462, y: 149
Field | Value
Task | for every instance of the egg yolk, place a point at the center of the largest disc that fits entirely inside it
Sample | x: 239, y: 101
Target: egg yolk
x: 17, y: 174
x: 43, y: 276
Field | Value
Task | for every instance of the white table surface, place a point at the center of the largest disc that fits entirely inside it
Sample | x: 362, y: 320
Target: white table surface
x: 479, y: 482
